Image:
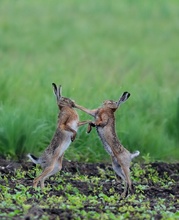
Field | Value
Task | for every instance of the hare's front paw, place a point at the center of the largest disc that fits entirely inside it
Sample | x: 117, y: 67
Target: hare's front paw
x: 73, y: 137
x: 89, y: 128
x: 90, y: 125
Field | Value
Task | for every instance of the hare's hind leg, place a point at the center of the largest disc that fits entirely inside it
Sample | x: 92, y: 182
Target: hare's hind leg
x: 117, y: 169
x: 124, y: 171
x: 57, y: 167
x: 44, y: 174
x: 129, y: 185
x: 48, y: 171
x: 119, y: 173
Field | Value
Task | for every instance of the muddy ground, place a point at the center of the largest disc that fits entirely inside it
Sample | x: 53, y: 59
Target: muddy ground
x: 152, y: 192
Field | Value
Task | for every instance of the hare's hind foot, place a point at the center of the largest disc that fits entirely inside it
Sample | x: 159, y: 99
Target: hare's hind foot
x: 128, y: 189
x: 35, y: 182
x: 124, y: 195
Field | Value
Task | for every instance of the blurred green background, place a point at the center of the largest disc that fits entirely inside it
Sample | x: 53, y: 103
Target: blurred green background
x: 95, y: 50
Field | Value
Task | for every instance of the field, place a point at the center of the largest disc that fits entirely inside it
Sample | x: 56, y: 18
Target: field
x: 96, y: 50
x: 89, y: 191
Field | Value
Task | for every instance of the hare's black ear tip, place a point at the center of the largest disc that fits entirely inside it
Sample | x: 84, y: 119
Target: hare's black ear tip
x: 54, y: 86
x: 126, y: 93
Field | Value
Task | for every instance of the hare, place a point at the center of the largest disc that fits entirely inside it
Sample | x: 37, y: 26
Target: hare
x: 105, y: 125
x: 68, y: 123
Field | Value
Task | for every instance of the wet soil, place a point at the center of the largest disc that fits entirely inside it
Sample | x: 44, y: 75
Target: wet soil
x: 153, y: 192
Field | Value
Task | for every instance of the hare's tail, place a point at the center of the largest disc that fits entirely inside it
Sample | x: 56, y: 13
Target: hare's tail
x: 33, y: 158
x: 135, y: 154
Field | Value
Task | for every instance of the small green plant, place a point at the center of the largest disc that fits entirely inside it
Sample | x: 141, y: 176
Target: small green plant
x: 147, y: 158
x: 64, y: 194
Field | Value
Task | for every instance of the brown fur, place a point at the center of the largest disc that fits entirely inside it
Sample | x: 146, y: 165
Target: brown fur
x: 105, y: 125
x: 67, y: 126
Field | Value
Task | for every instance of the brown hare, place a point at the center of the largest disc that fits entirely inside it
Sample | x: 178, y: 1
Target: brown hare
x: 105, y: 125
x: 68, y: 123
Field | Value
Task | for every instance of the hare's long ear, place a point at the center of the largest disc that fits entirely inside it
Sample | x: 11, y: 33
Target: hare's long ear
x: 56, y: 91
x: 60, y: 91
x: 123, y: 98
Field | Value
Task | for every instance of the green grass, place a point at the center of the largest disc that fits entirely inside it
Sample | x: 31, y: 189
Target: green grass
x: 96, y: 50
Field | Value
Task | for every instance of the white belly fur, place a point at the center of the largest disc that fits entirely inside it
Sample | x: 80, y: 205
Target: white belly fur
x: 74, y: 125
x: 65, y: 144
x: 105, y: 143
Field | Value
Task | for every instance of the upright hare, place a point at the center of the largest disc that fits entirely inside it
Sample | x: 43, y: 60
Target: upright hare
x: 68, y: 123
x: 105, y: 125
